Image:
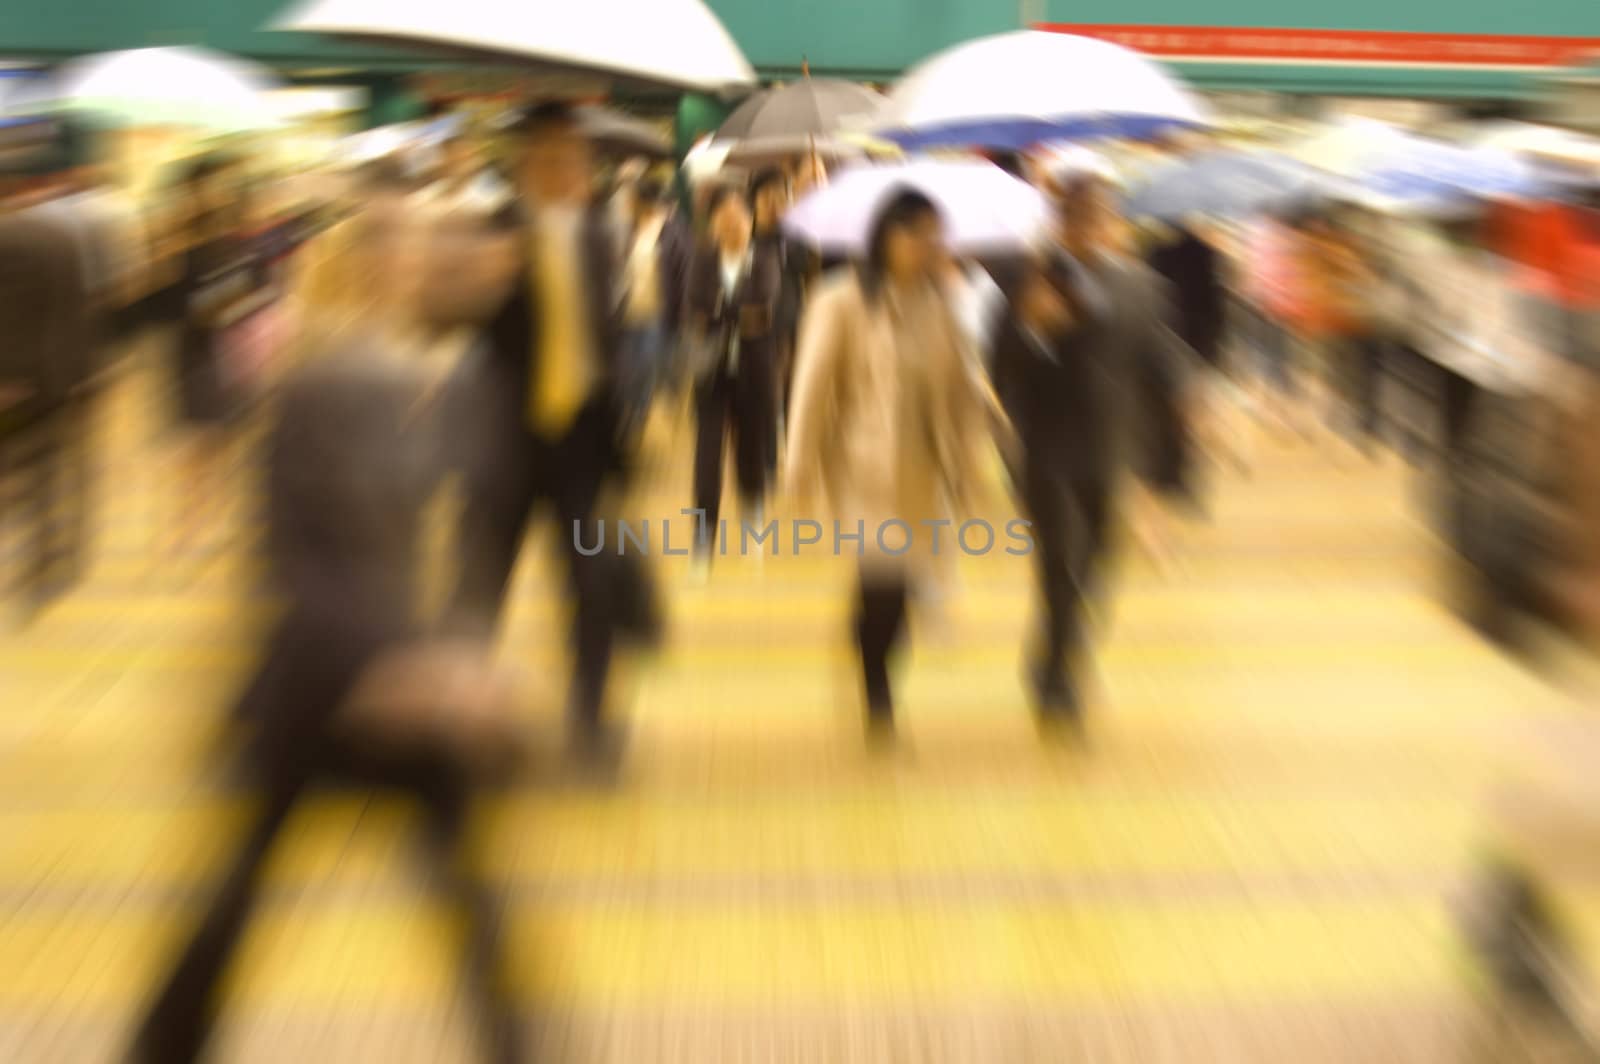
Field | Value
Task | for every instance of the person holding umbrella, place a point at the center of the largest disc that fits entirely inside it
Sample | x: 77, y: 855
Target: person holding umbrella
x: 1115, y: 357
x: 888, y: 422
x: 731, y: 306
x: 769, y: 191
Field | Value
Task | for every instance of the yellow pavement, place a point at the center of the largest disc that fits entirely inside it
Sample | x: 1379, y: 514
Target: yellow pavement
x: 1257, y: 858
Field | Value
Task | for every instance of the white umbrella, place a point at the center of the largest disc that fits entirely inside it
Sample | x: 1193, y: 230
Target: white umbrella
x: 705, y: 160
x: 1018, y: 89
x: 380, y: 142
x: 1559, y: 154
x: 20, y: 95
x: 676, y: 43
x: 1395, y: 168
x: 168, y: 87
x: 984, y: 208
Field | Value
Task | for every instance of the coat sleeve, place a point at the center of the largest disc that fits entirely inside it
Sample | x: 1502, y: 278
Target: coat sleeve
x: 818, y: 356
x: 976, y: 422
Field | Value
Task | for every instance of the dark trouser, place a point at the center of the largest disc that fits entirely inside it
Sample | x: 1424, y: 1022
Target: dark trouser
x: 880, y: 622
x: 1360, y: 362
x: 1458, y: 397
x: 1071, y: 525
x: 179, y: 1023
x: 46, y: 455
x: 745, y: 403
x: 567, y: 477
x: 1274, y: 348
x: 784, y: 377
x: 643, y: 350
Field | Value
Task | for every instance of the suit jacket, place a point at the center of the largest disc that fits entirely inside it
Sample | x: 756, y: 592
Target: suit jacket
x: 1193, y: 269
x: 511, y: 335
x: 351, y: 464
x: 675, y: 255
x: 795, y: 266
x: 751, y: 314
x: 1050, y: 391
x: 1081, y: 405
x: 1144, y: 363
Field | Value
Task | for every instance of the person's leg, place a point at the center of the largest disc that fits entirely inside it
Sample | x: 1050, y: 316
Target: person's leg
x: 178, y: 1024
x: 880, y: 622
x: 1370, y: 398
x: 1458, y: 396
x: 493, y: 519
x: 755, y: 431
x: 582, y: 466
x: 1048, y: 507
x: 712, y: 397
x: 447, y: 795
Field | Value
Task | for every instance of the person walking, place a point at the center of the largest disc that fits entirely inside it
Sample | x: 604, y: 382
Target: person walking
x: 730, y: 311
x: 547, y: 420
x: 1123, y: 370
x: 769, y: 192
x: 654, y: 276
x: 352, y: 690
x: 890, y: 421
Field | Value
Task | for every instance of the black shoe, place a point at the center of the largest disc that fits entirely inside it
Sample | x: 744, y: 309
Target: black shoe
x: 1056, y: 706
x: 881, y: 735
x: 597, y: 750
x: 1517, y: 941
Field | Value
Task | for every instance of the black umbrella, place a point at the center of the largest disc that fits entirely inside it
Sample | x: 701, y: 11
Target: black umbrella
x: 800, y: 117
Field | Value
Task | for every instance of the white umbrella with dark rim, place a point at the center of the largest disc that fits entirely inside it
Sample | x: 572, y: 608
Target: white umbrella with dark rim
x: 984, y: 209
x: 667, y: 43
x: 1015, y: 90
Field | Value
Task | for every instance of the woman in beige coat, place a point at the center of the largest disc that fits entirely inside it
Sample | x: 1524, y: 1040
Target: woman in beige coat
x: 891, y: 416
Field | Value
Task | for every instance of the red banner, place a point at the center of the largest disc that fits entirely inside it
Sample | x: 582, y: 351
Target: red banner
x: 1222, y: 43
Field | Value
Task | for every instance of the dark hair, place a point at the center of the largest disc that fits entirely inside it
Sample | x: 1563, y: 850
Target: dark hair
x: 722, y: 194
x: 766, y: 178
x: 903, y: 207
x: 386, y: 174
x: 545, y: 117
x: 650, y: 191
x: 1011, y: 163
x: 203, y: 169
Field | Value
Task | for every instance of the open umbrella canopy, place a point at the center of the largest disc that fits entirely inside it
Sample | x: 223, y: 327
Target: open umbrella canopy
x: 190, y: 87
x: 705, y: 160
x: 796, y: 118
x: 1395, y: 168
x: 1557, y: 155
x: 984, y: 208
x: 1014, y: 90
x: 622, y: 134
x: 1225, y: 184
x: 670, y: 43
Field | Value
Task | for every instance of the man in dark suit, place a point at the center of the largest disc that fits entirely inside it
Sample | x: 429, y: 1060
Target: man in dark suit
x: 1085, y: 334
x: 546, y: 405
x: 730, y: 308
x: 355, y: 456
x: 770, y: 197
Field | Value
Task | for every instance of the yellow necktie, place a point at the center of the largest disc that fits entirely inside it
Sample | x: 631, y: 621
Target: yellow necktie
x: 557, y: 387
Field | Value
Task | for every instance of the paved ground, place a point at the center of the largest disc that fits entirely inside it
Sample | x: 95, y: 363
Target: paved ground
x: 1257, y: 859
